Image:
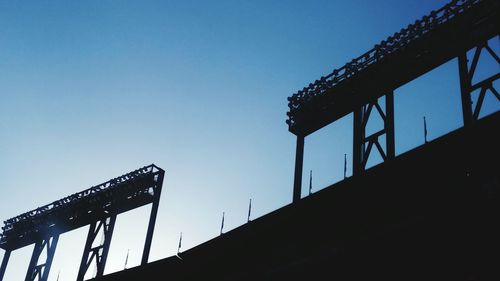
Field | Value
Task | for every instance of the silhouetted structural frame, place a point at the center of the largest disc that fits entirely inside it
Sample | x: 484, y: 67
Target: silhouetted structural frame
x: 97, y: 206
x: 435, y: 39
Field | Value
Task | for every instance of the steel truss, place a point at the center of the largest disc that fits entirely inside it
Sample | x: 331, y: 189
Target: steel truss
x: 97, y: 254
x: 470, y: 114
x: 362, y: 144
x: 40, y: 271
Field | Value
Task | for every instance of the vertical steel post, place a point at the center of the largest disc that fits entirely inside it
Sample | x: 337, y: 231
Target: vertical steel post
x: 86, y: 251
x: 358, y: 148
x: 5, y: 261
x: 41, y: 271
x: 32, y: 270
x: 50, y: 245
x: 100, y: 253
x: 152, y: 217
x: 390, y: 142
x: 465, y: 86
x: 108, y: 234
x: 299, y: 162
x: 51, y: 249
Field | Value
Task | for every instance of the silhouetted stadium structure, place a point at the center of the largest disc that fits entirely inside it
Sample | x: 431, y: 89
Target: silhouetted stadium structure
x: 432, y: 213
x: 97, y: 206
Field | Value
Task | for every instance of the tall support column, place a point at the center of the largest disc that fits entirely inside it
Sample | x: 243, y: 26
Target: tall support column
x: 465, y: 85
x: 152, y: 217
x: 41, y: 271
x: 5, y: 261
x: 362, y: 144
x: 390, y: 141
x: 299, y: 162
x: 98, y: 253
x: 358, y: 142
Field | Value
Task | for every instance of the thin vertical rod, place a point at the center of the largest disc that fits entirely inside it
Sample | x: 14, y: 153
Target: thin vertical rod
x: 5, y: 261
x: 152, y: 218
x: 465, y: 86
x: 249, y: 210
x: 299, y: 162
x: 345, y: 166
x: 222, y: 224
x: 389, y: 126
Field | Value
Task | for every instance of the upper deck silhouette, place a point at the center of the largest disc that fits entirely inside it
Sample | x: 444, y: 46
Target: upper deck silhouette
x: 97, y: 206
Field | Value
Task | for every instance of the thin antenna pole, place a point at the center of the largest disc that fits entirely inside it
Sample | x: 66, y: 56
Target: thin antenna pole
x: 58, y: 274
x: 222, y: 224
x: 180, y: 244
x: 126, y: 259
x: 425, y: 131
x: 310, y: 181
x: 249, y: 210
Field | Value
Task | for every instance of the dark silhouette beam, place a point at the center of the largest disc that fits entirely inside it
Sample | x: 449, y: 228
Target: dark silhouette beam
x: 299, y: 162
x: 5, y: 261
x: 152, y: 218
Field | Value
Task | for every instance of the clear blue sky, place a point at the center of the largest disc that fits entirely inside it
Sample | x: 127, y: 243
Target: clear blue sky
x: 93, y: 89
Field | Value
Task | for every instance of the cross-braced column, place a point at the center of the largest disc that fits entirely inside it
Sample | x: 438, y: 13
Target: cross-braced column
x: 40, y: 271
x: 466, y: 73
x: 362, y: 144
x: 156, y: 190
x: 99, y: 253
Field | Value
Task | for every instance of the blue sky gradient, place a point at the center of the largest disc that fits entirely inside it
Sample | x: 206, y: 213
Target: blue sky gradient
x: 94, y: 89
